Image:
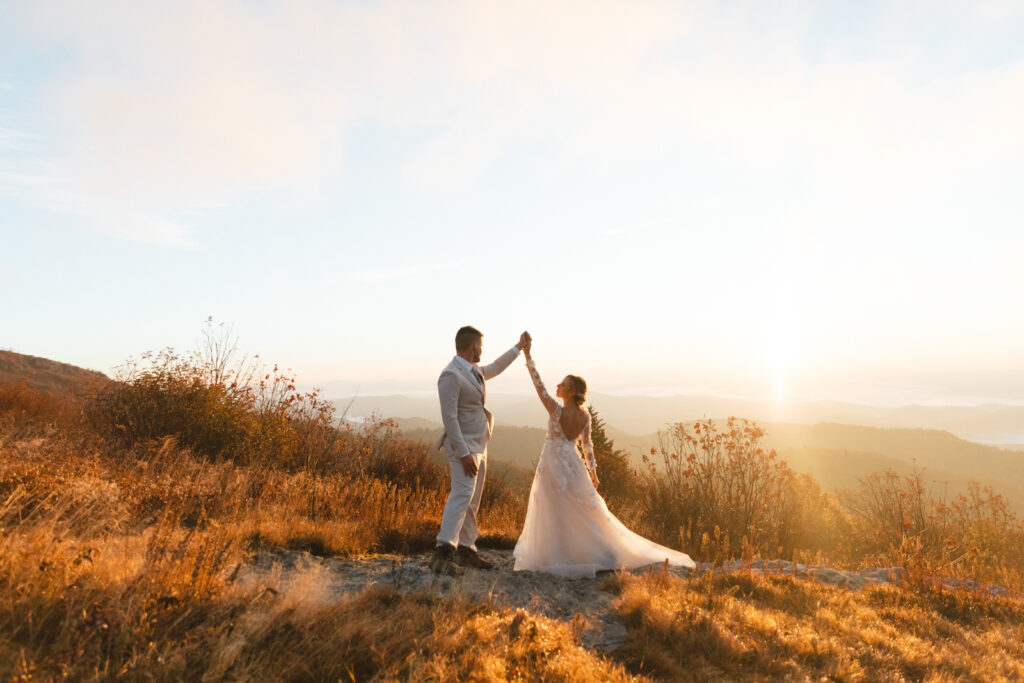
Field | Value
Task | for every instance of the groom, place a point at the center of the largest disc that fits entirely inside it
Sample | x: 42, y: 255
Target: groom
x: 467, y: 428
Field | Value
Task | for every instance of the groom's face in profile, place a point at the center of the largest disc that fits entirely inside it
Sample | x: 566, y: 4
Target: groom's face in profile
x: 477, y: 348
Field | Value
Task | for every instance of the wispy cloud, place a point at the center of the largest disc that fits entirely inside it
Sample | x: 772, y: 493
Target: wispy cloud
x: 227, y: 98
x: 96, y: 213
x: 619, y: 231
x: 386, y: 273
x: 12, y: 138
x: 32, y: 174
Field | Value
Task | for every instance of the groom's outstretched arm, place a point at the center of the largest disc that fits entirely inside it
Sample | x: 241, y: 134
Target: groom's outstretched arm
x: 499, y: 365
x: 448, y: 392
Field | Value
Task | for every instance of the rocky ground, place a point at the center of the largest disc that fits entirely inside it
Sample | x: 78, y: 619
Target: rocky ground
x: 584, y: 602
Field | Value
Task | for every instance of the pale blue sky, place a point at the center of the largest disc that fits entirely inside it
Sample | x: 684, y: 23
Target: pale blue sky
x: 800, y: 200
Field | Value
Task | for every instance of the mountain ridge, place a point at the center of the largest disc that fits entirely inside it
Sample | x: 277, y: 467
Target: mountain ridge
x: 989, y: 424
x: 837, y: 456
x: 44, y: 374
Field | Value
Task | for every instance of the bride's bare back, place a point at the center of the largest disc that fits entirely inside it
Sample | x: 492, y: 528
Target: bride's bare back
x: 572, y: 420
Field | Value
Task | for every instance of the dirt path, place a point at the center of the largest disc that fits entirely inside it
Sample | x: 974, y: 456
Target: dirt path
x: 552, y: 596
x: 584, y: 601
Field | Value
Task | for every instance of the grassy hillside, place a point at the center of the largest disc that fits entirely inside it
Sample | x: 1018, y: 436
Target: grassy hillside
x: 46, y: 375
x: 122, y: 568
x: 126, y: 517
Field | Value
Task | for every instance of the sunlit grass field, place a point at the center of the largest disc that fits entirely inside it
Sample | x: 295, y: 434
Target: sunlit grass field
x: 126, y: 515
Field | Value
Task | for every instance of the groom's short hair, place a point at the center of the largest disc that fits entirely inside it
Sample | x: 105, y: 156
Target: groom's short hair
x: 465, y: 337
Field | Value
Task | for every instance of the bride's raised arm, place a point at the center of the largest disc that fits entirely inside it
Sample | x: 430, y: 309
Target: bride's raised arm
x: 549, y: 403
x: 588, y: 450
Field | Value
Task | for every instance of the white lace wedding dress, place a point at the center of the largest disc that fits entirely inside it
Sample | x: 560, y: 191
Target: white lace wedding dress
x: 569, y: 530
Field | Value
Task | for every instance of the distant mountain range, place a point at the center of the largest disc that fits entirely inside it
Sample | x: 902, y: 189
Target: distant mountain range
x: 990, y: 424
x: 838, y: 444
x: 835, y: 455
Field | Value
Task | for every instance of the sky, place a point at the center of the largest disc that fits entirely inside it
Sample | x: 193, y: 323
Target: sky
x: 784, y: 200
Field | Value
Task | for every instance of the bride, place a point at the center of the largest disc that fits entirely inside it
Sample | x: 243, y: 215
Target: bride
x: 569, y: 530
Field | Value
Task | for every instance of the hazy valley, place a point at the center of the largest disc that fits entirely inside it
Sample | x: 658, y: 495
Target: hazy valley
x: 995, y: 424
x: 837, y: 455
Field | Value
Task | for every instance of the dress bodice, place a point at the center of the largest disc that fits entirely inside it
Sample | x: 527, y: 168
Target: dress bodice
x: 555, y: 424
x: 555, y: 432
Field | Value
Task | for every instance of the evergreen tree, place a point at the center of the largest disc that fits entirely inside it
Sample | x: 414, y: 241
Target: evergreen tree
x: 618, y: 479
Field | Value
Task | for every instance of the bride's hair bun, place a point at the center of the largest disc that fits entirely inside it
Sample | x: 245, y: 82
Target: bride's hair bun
x: 579, y: 389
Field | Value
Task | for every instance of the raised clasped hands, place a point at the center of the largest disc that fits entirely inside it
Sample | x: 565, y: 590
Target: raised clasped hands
x: 525, y: 342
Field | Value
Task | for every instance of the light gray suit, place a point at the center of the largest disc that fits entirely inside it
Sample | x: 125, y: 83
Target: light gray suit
x: 467, y: 428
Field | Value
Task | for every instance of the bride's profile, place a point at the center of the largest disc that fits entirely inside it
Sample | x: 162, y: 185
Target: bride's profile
x: 568, y: 529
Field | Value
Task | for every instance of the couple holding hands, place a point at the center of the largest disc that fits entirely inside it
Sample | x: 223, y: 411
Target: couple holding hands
x: 568, y: 529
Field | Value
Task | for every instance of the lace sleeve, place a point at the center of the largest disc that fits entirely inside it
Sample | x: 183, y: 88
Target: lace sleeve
x: 588, y: 447
x: 545, y: 397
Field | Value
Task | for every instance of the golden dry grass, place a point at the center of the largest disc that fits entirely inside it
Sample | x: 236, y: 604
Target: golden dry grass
x: 120, y: 564
x: 162, y: 605
x: 119, y: 560
x: 756, y: 627
x: 123, y: 569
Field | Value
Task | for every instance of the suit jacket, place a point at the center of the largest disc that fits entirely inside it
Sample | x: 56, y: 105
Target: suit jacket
x: 467, y: 423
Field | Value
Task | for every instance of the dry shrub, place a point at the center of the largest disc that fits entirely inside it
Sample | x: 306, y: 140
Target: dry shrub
x: 30, y: 409
x: 907, y: 522
x: 718, y: 494
x: 378, y: 450
x: 250, y: 416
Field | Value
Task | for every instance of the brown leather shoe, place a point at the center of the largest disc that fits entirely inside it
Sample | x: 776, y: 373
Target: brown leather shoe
x: 468, y: 557
x: 442, y: 560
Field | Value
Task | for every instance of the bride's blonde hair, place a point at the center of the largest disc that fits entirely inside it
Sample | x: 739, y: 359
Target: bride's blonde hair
x: 579, y: 389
